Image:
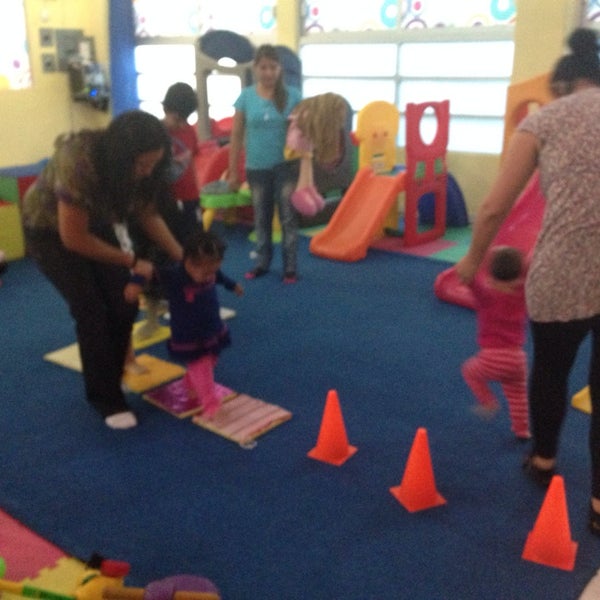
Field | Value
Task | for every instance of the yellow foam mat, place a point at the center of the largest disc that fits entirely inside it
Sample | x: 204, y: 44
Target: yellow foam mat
x: 66, y: 357
x: 11, y: 231
x: 158, y: 372
x: 63, y: 578
x: 581, y: 400
x: 244, y: 418
x: 162, y: 333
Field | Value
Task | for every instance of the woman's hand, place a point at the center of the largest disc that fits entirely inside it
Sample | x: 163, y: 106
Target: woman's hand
x: 144, y: 268
x: 132, y: 292
x: 466, y: 269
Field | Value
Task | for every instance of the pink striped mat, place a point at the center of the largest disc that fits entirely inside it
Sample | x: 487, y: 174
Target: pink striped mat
x: 244, y: 418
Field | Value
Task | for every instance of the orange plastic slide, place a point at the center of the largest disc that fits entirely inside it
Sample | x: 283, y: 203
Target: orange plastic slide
x: 520, y: 229
x: 360, y: 215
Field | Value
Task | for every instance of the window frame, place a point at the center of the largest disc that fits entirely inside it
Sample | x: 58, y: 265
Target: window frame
x: 501, y: 33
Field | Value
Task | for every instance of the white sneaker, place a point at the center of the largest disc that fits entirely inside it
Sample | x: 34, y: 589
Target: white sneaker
x: 226, y: 313
x: 121, y: 420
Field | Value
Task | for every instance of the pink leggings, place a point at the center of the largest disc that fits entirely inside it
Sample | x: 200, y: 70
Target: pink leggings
x: 508, y: 366
x: 200, y: 378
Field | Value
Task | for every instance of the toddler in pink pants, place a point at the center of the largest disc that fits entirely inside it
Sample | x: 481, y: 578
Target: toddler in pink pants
x: 501, y: 325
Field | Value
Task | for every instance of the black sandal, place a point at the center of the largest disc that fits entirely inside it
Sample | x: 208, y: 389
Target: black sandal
x: 542, y: 477
x: 594, y: 521
x: 256, y: 272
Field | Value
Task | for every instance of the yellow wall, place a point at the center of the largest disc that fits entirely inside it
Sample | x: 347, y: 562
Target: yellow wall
x: 540, y: 33
x: 288, y: 19
x: 31, y: 119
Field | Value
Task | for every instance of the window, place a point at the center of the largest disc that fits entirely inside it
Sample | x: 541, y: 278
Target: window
x: 166, y: 36
x: 474, y: 76
x: 399, y: 51
x: 223, y: 90
x: 593, y: 12
x: 184, y: 18
x: 470, y: 67
x: 158, y: 66
x: 15, y: 71
x: 326, y: 15
x: 359, y: 72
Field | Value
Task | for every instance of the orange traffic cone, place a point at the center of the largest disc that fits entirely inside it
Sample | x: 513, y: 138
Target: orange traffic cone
x: 332, y: 444
x: 549, y: 542
x: 417, y: 490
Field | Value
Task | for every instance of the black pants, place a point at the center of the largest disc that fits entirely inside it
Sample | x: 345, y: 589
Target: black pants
x: 555, y: 347
x: 103, y: 320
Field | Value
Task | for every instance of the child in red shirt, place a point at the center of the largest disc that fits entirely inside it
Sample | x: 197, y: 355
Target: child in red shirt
x: 180, y: 210
x: 180, y: 102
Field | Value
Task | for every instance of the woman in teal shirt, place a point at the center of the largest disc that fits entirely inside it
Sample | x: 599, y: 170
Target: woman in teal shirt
x: 261, y: 121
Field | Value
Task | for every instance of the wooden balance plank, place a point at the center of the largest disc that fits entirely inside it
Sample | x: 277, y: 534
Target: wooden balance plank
x: 244, y: 418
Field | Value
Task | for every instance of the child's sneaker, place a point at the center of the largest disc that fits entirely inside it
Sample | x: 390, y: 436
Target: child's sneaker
x: 485, y: 412
x: 210, y: 407
x: 522, y: 436
x: 255, y: 273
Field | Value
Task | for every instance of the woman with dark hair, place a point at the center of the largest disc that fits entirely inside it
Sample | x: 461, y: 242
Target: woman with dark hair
x: 562, y: 286
x: 261, y: 121
x: 581, y: 62
x: 75, y: 220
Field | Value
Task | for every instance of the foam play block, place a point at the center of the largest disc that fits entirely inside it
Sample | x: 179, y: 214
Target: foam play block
x: 581, y: 400
x: 11, y: 231
x: 66, y: 357
x: 157, y: 373
x: 174, y: 397
x: 24, y: 552
x: 243, y: 419
x: 161, y: 334
x: 9, y: 189
x: 63, y: 578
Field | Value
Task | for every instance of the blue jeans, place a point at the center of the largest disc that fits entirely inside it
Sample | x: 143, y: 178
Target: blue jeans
x: 270, y: 188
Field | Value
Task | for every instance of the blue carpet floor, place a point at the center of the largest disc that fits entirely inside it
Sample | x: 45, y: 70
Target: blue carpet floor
x: 271, y: 523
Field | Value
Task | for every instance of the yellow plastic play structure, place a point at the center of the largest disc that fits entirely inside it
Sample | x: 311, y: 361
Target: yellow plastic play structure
x: 376, y: 132
x: 521, y: 99
x: 374, y: 195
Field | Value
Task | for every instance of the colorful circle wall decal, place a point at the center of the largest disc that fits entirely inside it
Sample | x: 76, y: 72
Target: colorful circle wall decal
x: 267, y: 17
x: 503, y: 10
x: 389, y: 13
